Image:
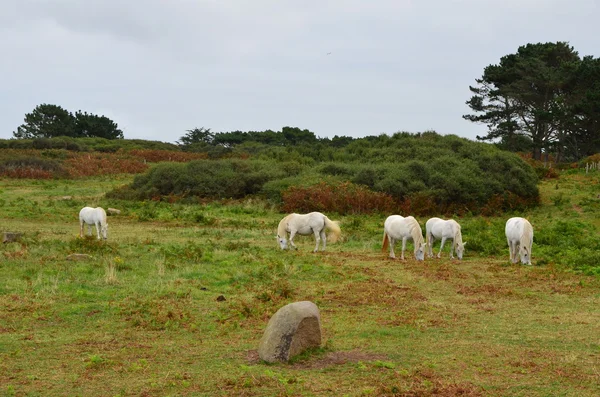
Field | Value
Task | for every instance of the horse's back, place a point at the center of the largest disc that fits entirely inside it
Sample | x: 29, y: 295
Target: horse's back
x: 85, y: 210
x: 91, y: 215
x: 305, y: 223
x: 434, y: 225
x: 397, y: 225
x: 392, y: 220
x: 517, y: 227
x: 431, y: 222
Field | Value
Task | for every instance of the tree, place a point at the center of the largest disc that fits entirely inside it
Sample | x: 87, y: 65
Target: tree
x: 46, y: 121
x: 584, y: 112
x: 527, y: 93
x: 197, y: 135
x: 90, y: 125
x: 294, y: 135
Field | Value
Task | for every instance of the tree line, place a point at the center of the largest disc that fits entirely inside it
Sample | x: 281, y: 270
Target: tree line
x: 543, y: 99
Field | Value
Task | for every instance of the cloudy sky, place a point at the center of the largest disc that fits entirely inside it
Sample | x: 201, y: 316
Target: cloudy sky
x: 335, y: 67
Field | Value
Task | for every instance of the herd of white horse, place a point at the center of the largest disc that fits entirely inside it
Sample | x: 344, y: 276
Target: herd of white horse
x: 519, y: 233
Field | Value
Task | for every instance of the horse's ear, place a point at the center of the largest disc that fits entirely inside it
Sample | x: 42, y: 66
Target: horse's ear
x: 465, y: 243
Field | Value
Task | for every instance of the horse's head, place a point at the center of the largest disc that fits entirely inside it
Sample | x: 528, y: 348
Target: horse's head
x: 525, y: 255
x: 460, y: 249
x: 420, y: 252
x: 104, y: 231
x: 282, y: 242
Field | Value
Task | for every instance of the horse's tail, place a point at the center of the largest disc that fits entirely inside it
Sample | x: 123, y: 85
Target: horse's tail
x: 335, y: 231
x: 385, y: 244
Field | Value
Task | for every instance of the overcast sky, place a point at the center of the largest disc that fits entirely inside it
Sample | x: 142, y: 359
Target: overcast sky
x: 335, y: 67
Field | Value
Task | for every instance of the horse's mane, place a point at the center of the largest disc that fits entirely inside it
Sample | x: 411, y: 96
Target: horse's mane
x: 525, y: 240
x: 100, y: 210
x: 415, y: 231
x: 282, y: 227
x: 457, y: 235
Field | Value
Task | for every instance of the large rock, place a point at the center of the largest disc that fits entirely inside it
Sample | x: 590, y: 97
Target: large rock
x: 293, y: 329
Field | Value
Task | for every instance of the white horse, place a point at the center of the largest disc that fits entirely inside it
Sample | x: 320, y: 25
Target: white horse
x: 397, y: 227
x: 437, y: 228
x: 93, y: 217
x: 519, y: 234
x: 306, y: 224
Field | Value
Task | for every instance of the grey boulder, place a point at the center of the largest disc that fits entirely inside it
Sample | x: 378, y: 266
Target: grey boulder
x: 293, y: 329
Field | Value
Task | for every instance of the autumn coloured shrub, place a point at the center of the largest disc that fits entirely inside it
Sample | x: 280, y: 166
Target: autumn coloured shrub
x: 343, y: 198
x: 544, y: 169
x: 26, y: 173
x: 30, y: 167
x: 88, y: 164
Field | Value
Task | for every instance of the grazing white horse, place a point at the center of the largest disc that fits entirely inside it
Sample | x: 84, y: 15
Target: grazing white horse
x: 306, y: 224
x: 437, y: 228
x: 93, y: 217
x: 519, y: 234
x: 397, y: 227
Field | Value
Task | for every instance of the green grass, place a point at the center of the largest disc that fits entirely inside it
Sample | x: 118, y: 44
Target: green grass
x: 141, y: 316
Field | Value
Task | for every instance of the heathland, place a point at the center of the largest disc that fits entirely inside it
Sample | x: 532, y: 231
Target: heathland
x: 177, y: 298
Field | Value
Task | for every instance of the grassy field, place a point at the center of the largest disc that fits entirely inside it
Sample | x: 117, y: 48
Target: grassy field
x: 141, y: 316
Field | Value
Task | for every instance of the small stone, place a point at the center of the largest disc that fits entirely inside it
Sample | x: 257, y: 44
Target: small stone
x: 221, y: 298
x: 11, y: 237
x: 79, y: 257
x: 113, y: 211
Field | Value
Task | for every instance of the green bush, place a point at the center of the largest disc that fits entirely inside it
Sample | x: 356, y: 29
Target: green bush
x: 217, y: 179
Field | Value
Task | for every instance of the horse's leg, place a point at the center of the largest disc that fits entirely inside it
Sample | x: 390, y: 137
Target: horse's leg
x: 323, y: 238
x: 403, y: 247
x: 81, y: 228
x: 97, y: 224
x: 515, y: 252
x: 510, y: 252
x: 292, y: 234
x: 452, y: 250
x: 317, y: 240
x: 430, y: 245
x: 439, y: 255
x: 392, y: 242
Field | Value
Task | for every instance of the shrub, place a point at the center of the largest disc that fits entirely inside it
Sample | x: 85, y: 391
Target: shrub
x: 343, y: 198
x: 215, y: 179
x: 155, y: 156
x: 30, y: 167
x: 89, y: 164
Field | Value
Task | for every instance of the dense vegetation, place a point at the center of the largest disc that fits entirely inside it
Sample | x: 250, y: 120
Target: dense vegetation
x: 412, y: 173
x: 421, y: 173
